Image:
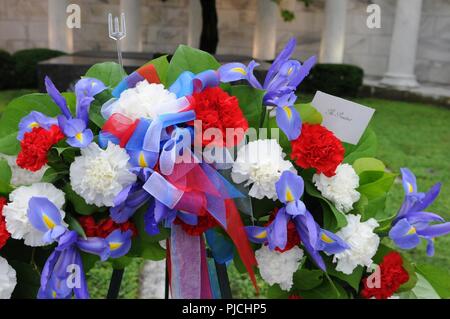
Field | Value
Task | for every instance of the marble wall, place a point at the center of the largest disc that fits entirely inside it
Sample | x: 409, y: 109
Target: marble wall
x: 23, y: 24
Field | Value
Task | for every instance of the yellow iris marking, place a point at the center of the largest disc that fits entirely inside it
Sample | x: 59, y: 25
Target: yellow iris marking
x: 289, y: 196
x: 261, y: 235
x: 290, y: 71
x: 410, y: 188
x: 326, y: 238
x: 33, y: 125
x: 79, y: 137
x: 288, y: 111
x: 114, y: 245
x: 239, y: 70
x: 411, y: 231
x: 142, y: 162
x: 54, y: 294
x: 48, y: 221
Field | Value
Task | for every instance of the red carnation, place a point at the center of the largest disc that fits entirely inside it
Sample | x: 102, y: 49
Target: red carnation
x: 89, y: 225
x: 104, y: 227
x: 219, y: 110
x: 4, y: 234
x: 204, y: 222
x: 35, y: 146
x: 107, y: 226
x: 293, y: 238
x: 317, y: 148
x: 392, y: 274
x: 293, y: 297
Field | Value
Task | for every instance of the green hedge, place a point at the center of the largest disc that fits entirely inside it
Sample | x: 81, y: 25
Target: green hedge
x: 25, y: 73
x: 335, y: 79
x: 6, y: 70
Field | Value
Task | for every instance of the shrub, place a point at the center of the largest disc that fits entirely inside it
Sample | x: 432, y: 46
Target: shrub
x: 6, y: 70
x: 335, y: 79
x: 26, y: 65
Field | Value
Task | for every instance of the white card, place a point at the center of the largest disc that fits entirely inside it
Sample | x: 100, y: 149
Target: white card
x: 347, y: 120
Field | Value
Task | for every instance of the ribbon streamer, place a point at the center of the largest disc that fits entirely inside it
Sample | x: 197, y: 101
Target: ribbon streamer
x: 189, y: 277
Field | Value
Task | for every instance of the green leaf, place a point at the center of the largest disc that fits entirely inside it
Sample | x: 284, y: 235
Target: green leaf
x: 161, y: 65
x: 20, y: 107
x: 28, y: 280
x: 144, y: 245
x: 306, y: 279
x: 95, y: 115
x: 309, y: 113
x: 438, y: 277
x: 275, y: 292
x: 250, y: 102
x: 423, y: 289
x: 9, y: 144
x: 367, y: 147
x: 368, y: 164
x: 189, y: 59
x: 377, y: 188
x: 329, y: 289
x: 80, y: 205
x: 354, y: 279
x: 382, y: 251
x: 51, y: 175
x: 375, y: 184
x: 411, y: 283
x: 5, y: 177
x: 110, y: 73
x: 75, y: 225
x: 374, y: 195
x: 333, y: 218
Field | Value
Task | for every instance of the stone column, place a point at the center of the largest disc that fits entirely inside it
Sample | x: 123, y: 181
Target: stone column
x: 402, y: 58
x: 133, y: 41
x: 153, y: 280
x: 60, y: 37
x: 195, y: 23
x: 333, y: 34
x: 265, y: 36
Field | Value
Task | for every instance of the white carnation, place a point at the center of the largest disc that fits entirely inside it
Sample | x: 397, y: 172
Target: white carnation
x: 22, y: 176
x: 363, y: 244
x: 16, y: 215
x: 278, y: 268
x: 260, y: 164
x: 144, y: 100
x: 99, y: 175
x: 340, y: 188
x: 8, y: 279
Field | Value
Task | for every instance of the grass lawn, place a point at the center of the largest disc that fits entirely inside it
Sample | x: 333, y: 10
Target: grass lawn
x: 410, y: 135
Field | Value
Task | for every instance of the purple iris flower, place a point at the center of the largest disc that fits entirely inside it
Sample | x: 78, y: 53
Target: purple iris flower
x: 32, y: 120
x: 290, y: 188
x: 119, y: 243
x: 282, y: 79
x: 129, y: 200
x: 413, y: 223
x: 76, y: 129
x: 45, y: 217
x: 63, y: 274
x: 288, y: 119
